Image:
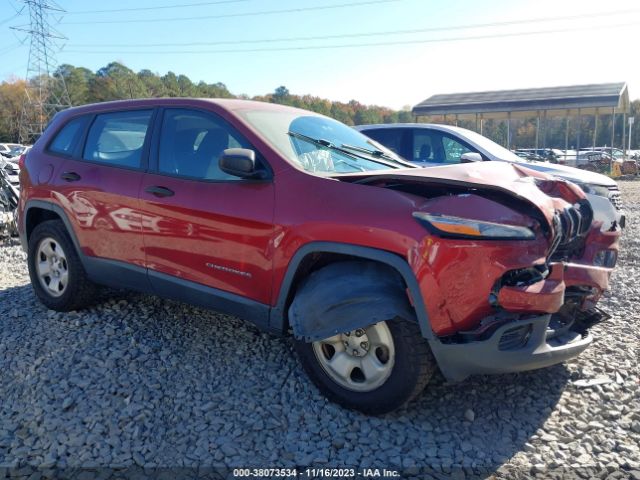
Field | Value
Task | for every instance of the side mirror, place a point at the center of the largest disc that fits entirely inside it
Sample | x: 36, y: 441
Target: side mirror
x: 470, y: 157
x: 240, y: 162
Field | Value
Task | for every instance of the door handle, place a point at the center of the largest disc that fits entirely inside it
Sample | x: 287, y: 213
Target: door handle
x: 159, y: 191
x: 70, y: 176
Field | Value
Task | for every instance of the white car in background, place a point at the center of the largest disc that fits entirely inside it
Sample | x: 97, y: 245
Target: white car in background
x: 5, y: 148
x: 12, y: 171
x: 435, y: 145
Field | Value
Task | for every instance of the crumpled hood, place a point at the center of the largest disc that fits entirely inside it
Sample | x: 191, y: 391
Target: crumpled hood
x: 504, y: 177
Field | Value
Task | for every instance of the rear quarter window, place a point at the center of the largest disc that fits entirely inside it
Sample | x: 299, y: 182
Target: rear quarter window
x: 67, y: 138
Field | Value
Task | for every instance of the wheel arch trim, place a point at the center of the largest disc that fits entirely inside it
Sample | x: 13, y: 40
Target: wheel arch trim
x: 52, y: 207
x: 278, y: 314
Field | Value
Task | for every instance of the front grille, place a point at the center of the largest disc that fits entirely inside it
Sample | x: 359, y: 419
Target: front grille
x: 615, y: 198
x: 571, y: 226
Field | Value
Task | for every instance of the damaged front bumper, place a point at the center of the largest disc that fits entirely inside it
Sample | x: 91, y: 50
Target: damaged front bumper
x: 514, y: 346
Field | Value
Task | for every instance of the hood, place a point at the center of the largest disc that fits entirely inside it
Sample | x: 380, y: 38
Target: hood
x: 505, y: 178
x: 572, y: 174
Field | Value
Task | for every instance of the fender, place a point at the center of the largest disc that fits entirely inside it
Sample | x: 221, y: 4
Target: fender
x: 277, y: 319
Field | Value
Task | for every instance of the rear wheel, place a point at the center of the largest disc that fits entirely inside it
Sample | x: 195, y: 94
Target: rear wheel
x: 375, y: 369
x: 57, y: 275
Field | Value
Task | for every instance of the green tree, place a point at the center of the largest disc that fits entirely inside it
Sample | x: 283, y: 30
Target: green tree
x: 11, y: 100
x: 152, y: 83
x: 281, y: 95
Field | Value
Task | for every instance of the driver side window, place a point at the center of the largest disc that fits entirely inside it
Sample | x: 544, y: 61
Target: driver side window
x: 191, y: 143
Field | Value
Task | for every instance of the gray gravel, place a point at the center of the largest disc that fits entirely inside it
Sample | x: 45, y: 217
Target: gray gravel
x: 141, y: 381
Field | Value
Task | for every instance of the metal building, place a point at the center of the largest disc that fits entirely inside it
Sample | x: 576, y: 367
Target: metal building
x: 539, y: 103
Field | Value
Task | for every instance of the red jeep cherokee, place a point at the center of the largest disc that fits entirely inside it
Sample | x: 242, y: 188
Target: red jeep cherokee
x: 298, y: 223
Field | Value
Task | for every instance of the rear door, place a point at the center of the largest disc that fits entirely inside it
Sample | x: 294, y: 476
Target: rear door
x: 201, y: 224
x: 100, y: 182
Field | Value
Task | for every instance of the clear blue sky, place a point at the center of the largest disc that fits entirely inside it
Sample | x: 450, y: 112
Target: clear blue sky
x: 590, y: 42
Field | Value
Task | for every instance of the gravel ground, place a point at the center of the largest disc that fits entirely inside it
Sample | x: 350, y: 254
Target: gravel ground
x: 141, y: 381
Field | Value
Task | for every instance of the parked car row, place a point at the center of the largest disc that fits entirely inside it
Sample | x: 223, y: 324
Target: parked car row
x: 382, y: 270
x: 9, y: 155
x: 599, y: 159
x: 13, y: 150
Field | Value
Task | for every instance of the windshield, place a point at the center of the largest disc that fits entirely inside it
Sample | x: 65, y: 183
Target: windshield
x: 491, y: 147
x: 319, y: 144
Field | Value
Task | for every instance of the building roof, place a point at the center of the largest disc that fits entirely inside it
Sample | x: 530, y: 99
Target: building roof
x: 527, y: 102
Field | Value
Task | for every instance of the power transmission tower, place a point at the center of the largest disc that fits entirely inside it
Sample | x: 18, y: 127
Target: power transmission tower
x: 45, y: 93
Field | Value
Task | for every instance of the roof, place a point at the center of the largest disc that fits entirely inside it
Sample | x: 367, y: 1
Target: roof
x: 590, y: 99
x: 231, y: 104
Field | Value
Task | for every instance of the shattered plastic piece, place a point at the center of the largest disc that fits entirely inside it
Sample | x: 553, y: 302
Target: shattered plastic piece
x: 590, y: 382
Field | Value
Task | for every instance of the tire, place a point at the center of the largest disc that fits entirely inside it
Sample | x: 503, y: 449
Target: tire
x: 411, y: 367
x: 66, y: 286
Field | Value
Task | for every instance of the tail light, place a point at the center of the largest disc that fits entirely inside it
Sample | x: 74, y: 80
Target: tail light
x: 21, y: 160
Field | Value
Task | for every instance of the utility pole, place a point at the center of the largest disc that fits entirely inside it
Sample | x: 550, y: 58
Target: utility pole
x: 45, y: 92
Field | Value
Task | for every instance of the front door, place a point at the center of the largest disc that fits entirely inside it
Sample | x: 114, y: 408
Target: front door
x: 201, y: 224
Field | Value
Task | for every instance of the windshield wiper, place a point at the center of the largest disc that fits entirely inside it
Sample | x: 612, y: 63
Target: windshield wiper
x: 342, y: 149
x: 376, y: 154
x: 327, y: 144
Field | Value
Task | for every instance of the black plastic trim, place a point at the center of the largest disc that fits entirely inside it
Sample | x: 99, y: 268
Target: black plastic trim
x: 168, y: 286
x: 52, y: 207
x: 278, y: 316
x: 116, y: 274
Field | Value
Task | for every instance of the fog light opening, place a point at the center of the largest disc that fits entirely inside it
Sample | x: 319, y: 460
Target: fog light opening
x: 606, y: 258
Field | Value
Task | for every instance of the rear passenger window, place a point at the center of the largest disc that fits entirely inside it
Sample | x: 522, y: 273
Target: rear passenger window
x: 117, y: 138
x: 67, y: 138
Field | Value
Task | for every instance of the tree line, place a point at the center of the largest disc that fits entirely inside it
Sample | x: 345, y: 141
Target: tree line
x: 118, y: 82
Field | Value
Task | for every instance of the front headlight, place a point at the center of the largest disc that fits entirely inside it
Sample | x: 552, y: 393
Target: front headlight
x: 456, y: 227
x: 598, y: 190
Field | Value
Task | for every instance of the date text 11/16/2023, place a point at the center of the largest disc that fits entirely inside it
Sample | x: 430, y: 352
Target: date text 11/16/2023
x: 315, y: 473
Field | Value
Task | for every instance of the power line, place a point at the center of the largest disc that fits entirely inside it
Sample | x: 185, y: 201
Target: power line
x: 9, y: 48
x: 365, y: 34
x: 159, y: 7
x: 234, y: 15
x: 45, y: 92
x: 10, y: 18
x: 371, y: 44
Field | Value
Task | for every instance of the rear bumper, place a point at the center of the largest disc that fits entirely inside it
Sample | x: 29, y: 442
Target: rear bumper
x: 513, y: 347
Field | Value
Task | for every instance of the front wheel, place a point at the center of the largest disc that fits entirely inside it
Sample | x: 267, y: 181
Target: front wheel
x: 375, y: 369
